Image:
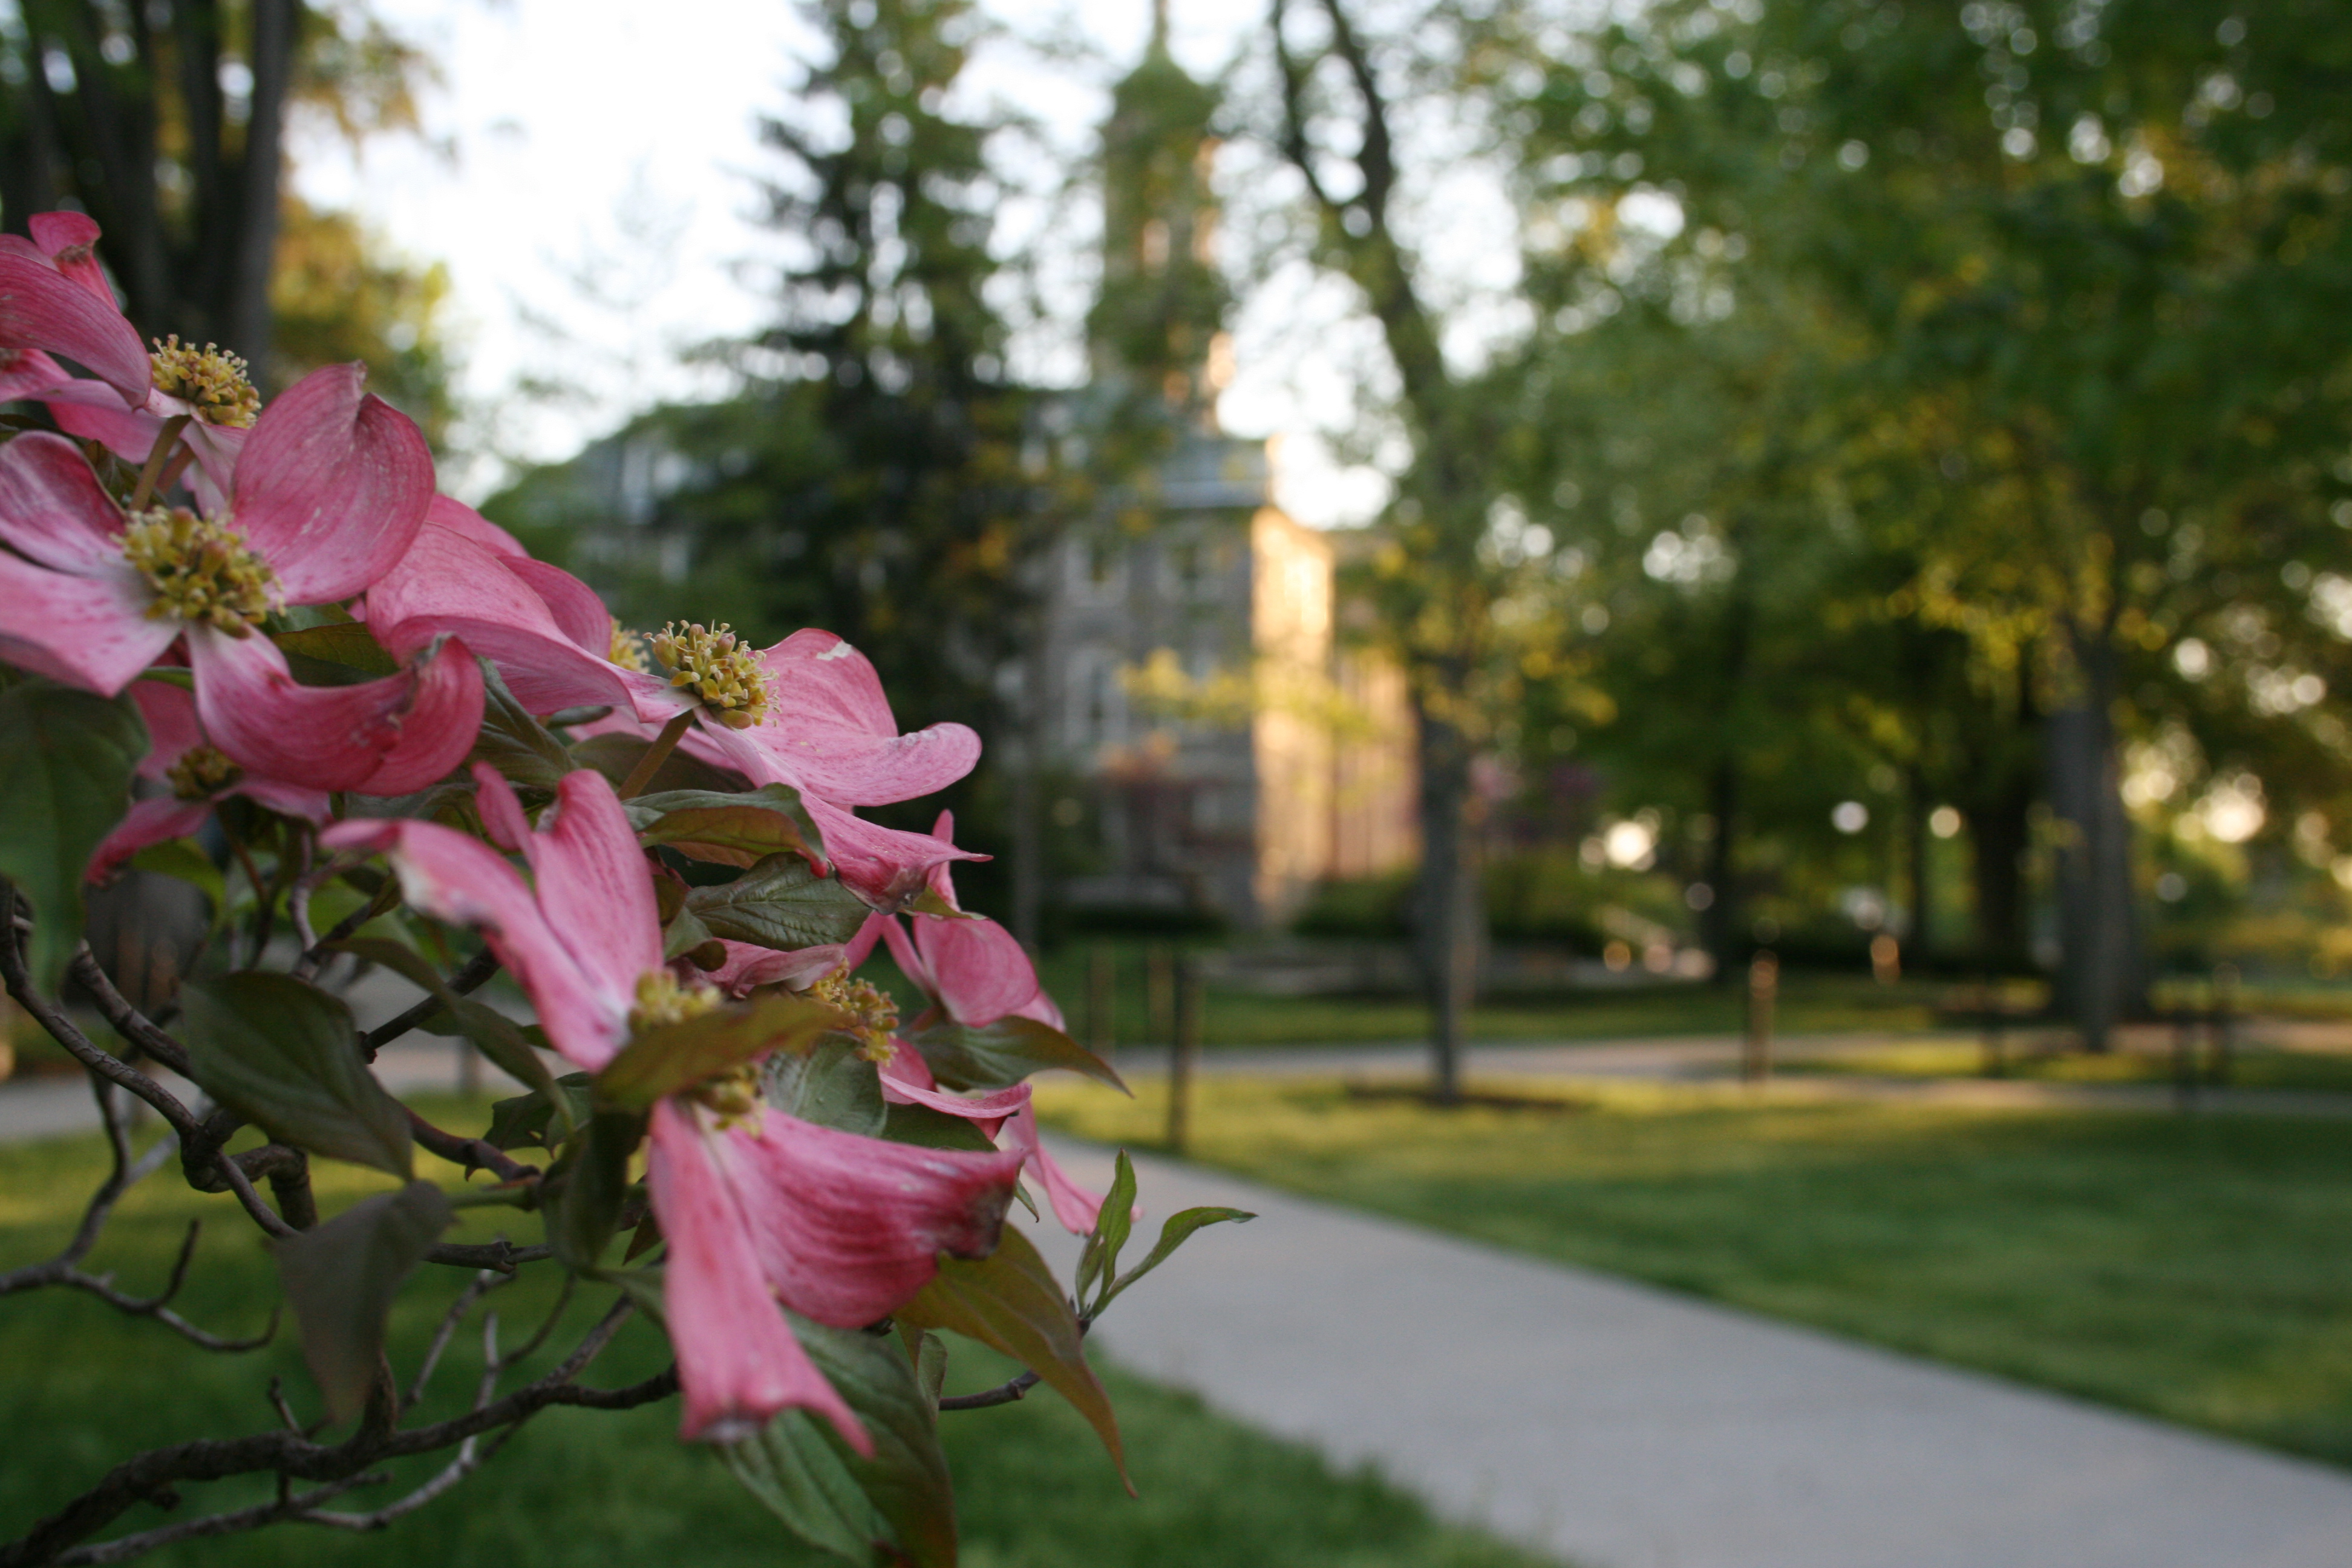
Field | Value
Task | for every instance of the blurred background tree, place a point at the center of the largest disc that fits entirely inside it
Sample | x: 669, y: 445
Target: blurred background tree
x: 168, y: 123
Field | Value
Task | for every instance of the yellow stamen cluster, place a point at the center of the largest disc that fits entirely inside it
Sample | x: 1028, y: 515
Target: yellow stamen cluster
x: 210, y: 379
x: 662, y: 1000
x: 201, y: 570
x: 721, y: 671
x: 202, y: 773
x: 628, y: 650
x: 875, y: 1014
x: 734, y: 1094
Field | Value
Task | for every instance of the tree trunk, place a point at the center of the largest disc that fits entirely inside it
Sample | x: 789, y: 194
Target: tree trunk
x: 1719, y: 923
x: 244, y: 307
x: 2101, y: 978
x: 1448, y: 919
x: 1919, y: 805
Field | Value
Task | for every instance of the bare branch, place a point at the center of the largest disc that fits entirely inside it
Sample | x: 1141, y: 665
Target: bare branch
x: 483, y: 964
x: 470, y: 1153
x: 475, y: 1289
x: 1002, y: 1394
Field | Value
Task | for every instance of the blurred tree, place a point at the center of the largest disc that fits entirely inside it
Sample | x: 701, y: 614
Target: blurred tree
x: 166, y: 123
x: 337, y: 295
x: 2096, y: 259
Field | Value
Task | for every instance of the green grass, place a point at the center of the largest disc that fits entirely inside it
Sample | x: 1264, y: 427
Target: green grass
x: 86, y: 1387
x: 2195, y: 1268
x: 1233, y: 1016
x: 2309, y: 1071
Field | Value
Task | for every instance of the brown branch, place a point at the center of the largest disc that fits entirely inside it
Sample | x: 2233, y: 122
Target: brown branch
x: 54, y: 1540
x: 483, y: 964
x: 470, y: 1153
x: 1002, y: 1394
x: 127, y: 1020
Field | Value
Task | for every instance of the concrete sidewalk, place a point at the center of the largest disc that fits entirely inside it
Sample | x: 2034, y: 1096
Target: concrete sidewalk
x: 1621, y: 1426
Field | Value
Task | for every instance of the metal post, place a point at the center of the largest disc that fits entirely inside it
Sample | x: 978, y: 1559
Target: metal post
x: 1160, y: 994
x: 1183, y: 1053
x: 1763, y: 989
x: 2184, y: 1058
x: 1993, y: 1018
x: 1101, y: 986
x: 469, y: 1068
x: 2225, y: 1022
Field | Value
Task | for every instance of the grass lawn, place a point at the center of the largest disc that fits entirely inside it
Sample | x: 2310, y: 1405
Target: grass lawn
x: 1235, y: 1016
x: 86, y: 1387
x: 2314, y: 1071
x: 2195, y: 1268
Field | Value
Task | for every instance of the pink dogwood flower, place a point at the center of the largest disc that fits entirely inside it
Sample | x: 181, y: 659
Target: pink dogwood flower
x: 760, y: 1214
x: 54, y: 300
x: 328, y: 495
x: 201, y: 777
x: 978, y: 975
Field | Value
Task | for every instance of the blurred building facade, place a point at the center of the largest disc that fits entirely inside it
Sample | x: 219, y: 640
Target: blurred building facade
x: 1219, y: 751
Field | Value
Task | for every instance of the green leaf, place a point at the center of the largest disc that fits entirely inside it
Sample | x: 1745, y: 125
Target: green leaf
x: 346, y: 644
x: 340, y: 1279
x: 66, y: 762
x: 929, y: 902
x: 500, y: 1037
x: 683, y: 934
x: 780, y: 903
x: 1173, y: 1235
x: 1003, y: 1053
x: 928, y: 1129
x: 900, y: 1501
x: 284, y: 1055
x: 1010, y: 1301
x: 832, y: 1086
x: 730, y: 829
x: 1100, y: 1258
x: 521, y: 747
x: 591, y: 1184
x: 673, y: 1057
x: 527, y: 1118
x: 615, y: 756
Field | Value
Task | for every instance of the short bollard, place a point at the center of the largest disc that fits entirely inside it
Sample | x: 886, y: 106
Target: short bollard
x: 2225, y: 1024
x: 1160, y: 995
x: 1183, y: 1054
x: 1763, y: 989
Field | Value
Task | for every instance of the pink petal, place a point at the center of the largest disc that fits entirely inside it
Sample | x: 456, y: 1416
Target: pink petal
x: 459, y: 518
x: 901, y: 1087
x: 1042, y: 1009
x: 980, y: 972
x: 28, y: 373
x: 738, y: 1360
x: 171, y: 728
x: 1078, y: 1208
x: 747, y: 966
x: 41, y: 307
x: 449, y: 583
x: 286, y: 799
x: 903, y: 951
x: 883, y: 866
x: 332, y: 486
x: 861, y: 946
x: 157, y: 821
x: 322, y: 737
x: 848, y: 1227
x: 830, y: 729
x: 443, y: 717
x: 52, y: 507
x: 501, y: 813
x: 69, y: 240
x: 574, y: 604
x: 592, y: 877
x: 455, y: 877
x: 90, y: 632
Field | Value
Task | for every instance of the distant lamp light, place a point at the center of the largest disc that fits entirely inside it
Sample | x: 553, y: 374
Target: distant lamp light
x: 1944, y: 822
x: 1850, y: 817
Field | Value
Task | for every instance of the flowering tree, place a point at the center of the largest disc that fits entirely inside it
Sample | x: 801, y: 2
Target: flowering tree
x: 262, y: 628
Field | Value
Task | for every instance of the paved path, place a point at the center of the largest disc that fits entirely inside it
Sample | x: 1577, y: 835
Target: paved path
x: 1621, y: 1426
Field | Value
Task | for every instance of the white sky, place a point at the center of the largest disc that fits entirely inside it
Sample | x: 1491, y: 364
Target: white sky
x: 588, y: 169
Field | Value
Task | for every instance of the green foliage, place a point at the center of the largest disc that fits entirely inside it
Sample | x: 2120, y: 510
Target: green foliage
x: 340, y: 1280
x: 284, y: 1055
x: 779, y: 903
x: 1030, y: 1490
x: 1011, y: 1302
x: 732, y: 829
x: 70, y: 758
x: 1000, y: 1055
x: 669, y: 1058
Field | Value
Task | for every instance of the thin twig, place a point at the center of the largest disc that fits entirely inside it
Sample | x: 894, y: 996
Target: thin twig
x: 475, y: 1289
x: 478, y: 970
x: 655, y: 755
x: 470, y: 1153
